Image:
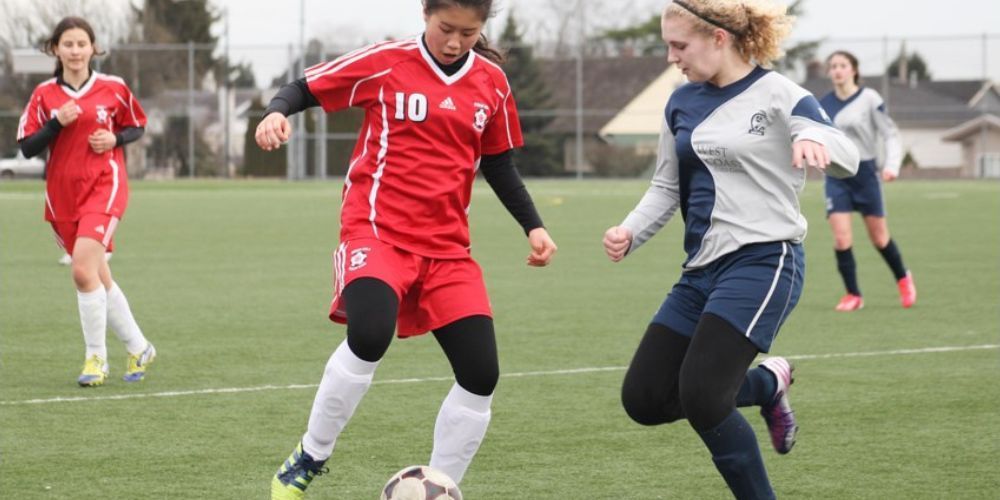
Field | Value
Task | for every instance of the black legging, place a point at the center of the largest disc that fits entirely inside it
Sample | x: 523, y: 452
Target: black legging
x: 673, y: 377
x: 469, y: 343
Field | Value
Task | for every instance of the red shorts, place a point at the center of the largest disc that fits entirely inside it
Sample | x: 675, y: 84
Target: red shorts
x: 99, y: 227
x: 432, y: 292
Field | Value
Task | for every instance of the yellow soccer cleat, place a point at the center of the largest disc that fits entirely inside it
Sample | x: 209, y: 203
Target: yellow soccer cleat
x: 95, y: 370
x: 137, y: 363
x: 294, y: 476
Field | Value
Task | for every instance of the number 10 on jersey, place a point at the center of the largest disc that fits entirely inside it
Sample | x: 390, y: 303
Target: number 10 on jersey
x: 414, y: 107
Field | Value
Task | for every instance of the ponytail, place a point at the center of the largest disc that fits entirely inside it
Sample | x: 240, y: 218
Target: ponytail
x: 483, y: 48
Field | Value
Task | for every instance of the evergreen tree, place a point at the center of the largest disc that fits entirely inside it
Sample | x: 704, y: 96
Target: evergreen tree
x: 541, y: 153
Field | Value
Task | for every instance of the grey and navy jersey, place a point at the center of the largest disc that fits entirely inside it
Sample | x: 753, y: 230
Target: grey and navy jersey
x: 863, y: 118
x: 725, y: 158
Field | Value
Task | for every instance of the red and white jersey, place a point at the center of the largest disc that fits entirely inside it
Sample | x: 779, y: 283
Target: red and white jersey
x: 78, y: 180
x: 410, y: 179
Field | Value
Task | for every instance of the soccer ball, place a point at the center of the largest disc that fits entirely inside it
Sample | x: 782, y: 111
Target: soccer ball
x: 420, y: 482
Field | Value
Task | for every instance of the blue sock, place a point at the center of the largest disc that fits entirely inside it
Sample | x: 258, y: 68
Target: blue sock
x: 893, y: 258
x: 848, y: 271
x: 737, y: 457
x: 758, y: 388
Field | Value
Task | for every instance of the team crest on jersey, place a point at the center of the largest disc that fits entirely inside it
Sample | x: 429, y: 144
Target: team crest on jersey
x: 758, y: 123
x: 359, y: 258
x: 482, y: 114
x: 102, y: 114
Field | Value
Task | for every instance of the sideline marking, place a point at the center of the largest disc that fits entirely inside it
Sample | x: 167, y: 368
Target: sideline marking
x: 568, y: 371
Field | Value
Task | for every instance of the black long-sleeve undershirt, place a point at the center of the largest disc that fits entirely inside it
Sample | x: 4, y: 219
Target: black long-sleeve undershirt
x: 35, y: 143
x: 293, y: 97
x: 502, y: 176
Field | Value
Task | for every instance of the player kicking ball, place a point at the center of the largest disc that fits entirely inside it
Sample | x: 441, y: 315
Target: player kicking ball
x: 437, y: 109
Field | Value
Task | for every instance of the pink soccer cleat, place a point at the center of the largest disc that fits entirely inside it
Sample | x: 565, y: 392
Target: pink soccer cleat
x: 778, y: 415
x: 907, y: 291
x: 851, y: 302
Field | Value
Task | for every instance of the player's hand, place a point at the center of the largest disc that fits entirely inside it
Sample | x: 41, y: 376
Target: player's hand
x: 617, y: 241
x: 68, y: 113
x: 888, y: 176
x: 273, y: 131
x: 102, y: 140
x: 542, y: 247
x: 809, y: 153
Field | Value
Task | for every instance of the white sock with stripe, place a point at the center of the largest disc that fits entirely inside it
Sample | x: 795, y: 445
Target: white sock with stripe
x: 94, y: 320
x: 459, y: 430
x: 122, y: 322
x: 345, y: 382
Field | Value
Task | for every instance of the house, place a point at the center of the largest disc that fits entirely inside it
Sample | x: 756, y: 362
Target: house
x: 610, y: 84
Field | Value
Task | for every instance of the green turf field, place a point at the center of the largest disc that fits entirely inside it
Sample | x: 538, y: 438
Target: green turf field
x: 232, y: 280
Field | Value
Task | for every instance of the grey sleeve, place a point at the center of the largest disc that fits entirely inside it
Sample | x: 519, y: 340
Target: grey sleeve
x: 890, y: 135
x: 809, y: 122
x: 662, y: 198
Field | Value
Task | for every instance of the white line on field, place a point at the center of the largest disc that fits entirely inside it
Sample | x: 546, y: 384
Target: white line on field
x: 570, y: 371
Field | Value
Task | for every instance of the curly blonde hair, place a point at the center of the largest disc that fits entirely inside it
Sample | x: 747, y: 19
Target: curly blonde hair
x: 758, y: 26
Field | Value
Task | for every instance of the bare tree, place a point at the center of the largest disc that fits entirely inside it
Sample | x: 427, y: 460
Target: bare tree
x: 26, y: 23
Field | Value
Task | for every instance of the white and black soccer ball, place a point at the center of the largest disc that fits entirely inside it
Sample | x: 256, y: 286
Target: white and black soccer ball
x: 420, y: 482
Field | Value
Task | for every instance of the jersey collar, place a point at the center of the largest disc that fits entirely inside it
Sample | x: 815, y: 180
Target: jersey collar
x: 77, y: 93
x: 448, y: 80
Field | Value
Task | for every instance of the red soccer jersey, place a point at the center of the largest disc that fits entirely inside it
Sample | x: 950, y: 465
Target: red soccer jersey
x: 78, y: 180
x: 410, y: 179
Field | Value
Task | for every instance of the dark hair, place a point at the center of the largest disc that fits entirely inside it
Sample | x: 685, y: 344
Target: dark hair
x: 67, y: 23
x: 485, y: 8
x: 850, y: 58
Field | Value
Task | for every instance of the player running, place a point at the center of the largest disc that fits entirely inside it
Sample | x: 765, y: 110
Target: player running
x: 438, y: 108
x: 733, y: 148
x: 84, y: 118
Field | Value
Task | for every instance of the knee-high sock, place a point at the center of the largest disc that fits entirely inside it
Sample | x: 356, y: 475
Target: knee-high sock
x: 345, y: 382
x: 894, y: 259
x: 459, y: 430
x: 122, y: 322
x: 94, y: 320
x: 848, y: 270
x: 737, y: 457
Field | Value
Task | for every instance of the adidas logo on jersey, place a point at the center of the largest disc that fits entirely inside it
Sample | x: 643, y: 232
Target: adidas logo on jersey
x: 448, y: 104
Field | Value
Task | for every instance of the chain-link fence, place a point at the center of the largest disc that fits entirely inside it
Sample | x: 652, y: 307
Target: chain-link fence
x: 590, y: 112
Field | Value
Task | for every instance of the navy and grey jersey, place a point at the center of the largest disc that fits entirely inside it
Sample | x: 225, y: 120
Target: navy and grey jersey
x: 725, y: 158
x: 863, y: 118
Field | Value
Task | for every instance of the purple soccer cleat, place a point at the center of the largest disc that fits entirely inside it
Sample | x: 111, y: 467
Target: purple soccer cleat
x: 778, y: 414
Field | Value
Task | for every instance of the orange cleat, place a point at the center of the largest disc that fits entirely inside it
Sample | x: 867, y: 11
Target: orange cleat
x: 851, y: 302
x: 907, y: 291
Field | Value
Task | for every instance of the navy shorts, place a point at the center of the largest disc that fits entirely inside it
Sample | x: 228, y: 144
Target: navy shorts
x: 861, y: 193
x: 754, y: 289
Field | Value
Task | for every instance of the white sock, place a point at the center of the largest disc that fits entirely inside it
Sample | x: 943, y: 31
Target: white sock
x: 123, y: 323
x: 94, y: 320
x: 345, y: 382
x: 459, y: 430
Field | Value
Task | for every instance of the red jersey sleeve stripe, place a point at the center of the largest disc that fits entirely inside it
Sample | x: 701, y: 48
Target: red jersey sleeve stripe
x: 407, y: 45
x: 506, y: 120
x: 363, y: 80
x: 323, y: 66
x: 131, y: 108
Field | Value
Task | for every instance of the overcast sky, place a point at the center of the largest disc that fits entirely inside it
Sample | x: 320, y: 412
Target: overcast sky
x: 948, y: 33
x: 857, y: 25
